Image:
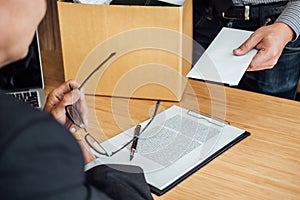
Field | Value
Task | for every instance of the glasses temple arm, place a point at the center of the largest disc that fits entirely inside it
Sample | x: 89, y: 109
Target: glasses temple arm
x: 95, y: 70
x: 153, y: 116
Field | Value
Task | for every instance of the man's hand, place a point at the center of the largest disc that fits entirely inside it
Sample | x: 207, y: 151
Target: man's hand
x: 270, y: 42
x: 64, y: 95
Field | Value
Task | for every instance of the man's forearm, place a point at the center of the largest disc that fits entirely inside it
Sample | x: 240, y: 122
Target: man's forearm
x: 291, y: 16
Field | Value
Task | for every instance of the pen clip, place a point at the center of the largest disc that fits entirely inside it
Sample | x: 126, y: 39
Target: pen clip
x: 137, y: 131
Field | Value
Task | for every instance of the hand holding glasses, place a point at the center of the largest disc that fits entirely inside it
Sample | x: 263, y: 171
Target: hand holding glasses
x: 74, y: 116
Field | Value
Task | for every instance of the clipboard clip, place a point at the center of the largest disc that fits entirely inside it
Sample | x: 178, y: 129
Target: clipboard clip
x: 210, y: 119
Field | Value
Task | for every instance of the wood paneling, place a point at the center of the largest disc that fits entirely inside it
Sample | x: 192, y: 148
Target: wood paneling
x: 49, y: 29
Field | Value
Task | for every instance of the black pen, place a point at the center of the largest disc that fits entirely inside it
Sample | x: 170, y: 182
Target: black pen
x: 135, y: 140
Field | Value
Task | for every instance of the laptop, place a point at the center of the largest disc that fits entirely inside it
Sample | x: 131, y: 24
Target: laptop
x: 24, y: 79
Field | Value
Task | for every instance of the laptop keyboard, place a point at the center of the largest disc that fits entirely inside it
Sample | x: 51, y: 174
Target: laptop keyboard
x: 30, y: 97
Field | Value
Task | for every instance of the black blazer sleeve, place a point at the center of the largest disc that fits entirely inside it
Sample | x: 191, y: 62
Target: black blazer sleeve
x: 122, y: 182
x: 40, y: 159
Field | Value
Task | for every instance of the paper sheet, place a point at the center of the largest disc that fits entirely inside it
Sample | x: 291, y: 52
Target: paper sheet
x: 218, y: 64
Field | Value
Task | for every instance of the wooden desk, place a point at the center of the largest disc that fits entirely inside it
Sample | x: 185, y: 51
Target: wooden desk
x: 265, y: 165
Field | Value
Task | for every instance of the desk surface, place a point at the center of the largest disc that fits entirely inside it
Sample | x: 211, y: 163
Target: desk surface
x: 265, y: 165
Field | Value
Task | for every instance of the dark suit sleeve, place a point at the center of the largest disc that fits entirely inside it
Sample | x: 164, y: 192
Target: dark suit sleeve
x: 39, y: 158
x: 122, y: 182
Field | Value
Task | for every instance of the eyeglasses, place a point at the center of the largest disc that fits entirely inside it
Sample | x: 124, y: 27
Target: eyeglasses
x: 74, y: 116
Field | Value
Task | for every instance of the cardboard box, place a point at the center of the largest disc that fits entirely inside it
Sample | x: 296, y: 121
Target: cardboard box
x: 153, y: 46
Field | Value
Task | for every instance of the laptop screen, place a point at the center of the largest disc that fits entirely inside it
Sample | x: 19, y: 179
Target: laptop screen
x: 25, y: 73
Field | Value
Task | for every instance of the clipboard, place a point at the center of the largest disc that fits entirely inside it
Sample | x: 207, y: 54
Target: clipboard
x: 176, y: 144
x: 160, y: 192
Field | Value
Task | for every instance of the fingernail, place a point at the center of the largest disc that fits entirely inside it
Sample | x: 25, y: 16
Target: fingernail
x: 76, y: 94
x: 72, y: 130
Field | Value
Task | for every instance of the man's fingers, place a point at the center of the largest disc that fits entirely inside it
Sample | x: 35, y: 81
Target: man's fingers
x: 58, y: 94
x: 262, y: 60
x: 249, y: 44
x: 58, y: 111
x: 83, y: 109
x: 70, y: 98
x: 68, y: 85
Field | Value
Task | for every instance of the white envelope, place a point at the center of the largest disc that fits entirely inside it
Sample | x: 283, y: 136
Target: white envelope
x: 218, y: 63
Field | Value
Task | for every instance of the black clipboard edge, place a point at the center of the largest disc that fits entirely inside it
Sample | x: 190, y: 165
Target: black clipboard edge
x: 196, y: 168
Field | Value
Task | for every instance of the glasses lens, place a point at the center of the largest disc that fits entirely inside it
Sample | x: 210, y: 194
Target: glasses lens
x: 95, y: 145
x: 74, y: 115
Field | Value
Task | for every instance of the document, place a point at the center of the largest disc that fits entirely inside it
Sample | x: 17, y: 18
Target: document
x: 176, y: 144
x: 218, y: 63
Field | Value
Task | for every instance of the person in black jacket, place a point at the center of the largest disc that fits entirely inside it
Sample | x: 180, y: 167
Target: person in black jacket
x: 39, y: 158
